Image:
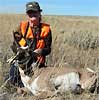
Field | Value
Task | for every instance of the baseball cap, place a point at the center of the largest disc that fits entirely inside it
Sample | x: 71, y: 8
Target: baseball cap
x: 34, y: 6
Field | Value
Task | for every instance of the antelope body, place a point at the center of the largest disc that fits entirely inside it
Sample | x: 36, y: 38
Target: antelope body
x: 54, y: 79
x: 57, y: 79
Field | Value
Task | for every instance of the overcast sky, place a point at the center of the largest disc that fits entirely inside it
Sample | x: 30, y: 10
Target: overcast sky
x: 54, y: 7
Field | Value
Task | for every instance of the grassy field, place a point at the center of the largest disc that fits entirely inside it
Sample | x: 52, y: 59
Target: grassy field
x: 75, y: 43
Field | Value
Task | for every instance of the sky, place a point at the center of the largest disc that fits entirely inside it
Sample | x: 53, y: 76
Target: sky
x: 54, y: 7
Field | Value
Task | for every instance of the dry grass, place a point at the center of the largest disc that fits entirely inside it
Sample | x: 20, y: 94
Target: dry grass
x: 75, y: 42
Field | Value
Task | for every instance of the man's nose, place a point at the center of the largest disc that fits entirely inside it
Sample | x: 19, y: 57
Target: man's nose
x: 32, y: 18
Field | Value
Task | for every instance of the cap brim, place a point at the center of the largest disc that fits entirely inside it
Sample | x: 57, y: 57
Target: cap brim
x: 31, y: 9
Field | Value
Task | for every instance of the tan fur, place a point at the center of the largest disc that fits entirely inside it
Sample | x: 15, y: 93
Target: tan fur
x: 49, y: 72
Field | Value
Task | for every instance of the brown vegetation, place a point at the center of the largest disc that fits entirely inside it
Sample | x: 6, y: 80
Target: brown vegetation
x: 75, y: 42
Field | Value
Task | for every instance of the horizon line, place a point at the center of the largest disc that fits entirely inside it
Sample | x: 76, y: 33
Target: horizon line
x: 52, y: 14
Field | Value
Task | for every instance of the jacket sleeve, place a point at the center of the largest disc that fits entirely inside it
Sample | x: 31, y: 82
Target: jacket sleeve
x: 48, y: 42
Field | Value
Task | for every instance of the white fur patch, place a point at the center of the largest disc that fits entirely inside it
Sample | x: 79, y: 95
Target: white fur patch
x: 67, y: 81
x: 33, y: 86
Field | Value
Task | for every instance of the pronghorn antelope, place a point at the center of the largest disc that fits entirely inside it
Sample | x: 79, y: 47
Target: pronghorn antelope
x: 51, y: 80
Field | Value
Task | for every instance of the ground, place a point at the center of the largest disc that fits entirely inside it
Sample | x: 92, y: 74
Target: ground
x: 75, y: 43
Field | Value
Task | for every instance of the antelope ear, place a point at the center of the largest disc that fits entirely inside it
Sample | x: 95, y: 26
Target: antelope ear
x: 17, y: 36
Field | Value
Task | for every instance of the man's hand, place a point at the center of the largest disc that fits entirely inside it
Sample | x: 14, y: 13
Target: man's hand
x: 38, y: 51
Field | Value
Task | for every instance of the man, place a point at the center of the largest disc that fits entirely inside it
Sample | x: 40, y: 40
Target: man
x: 34, y: 34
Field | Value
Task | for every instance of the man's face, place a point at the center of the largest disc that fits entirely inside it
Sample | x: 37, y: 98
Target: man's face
x: 33, y: 18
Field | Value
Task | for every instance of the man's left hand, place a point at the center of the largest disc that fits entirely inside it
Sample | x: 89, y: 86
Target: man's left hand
x: 38, y: 51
